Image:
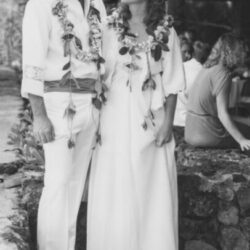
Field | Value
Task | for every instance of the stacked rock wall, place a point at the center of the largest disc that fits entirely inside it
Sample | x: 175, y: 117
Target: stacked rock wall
x: 214, y: 199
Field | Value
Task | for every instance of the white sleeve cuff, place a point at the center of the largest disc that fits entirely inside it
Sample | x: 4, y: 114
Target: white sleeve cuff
x: 31, y: 86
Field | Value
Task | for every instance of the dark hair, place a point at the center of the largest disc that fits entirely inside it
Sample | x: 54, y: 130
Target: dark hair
x: 155, y: 12
x: 233, y: 51
x: 185, y: 42
x: 201, y: 51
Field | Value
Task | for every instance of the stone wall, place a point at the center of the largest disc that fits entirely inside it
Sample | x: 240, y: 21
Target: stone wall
x: 214, y: 199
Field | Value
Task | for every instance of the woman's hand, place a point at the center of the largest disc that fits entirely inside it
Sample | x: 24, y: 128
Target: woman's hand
x: 164, y: 135
x: 244, y: 144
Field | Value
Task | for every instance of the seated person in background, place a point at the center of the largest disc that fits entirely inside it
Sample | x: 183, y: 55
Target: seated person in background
x: 208, y: 123
x: 188, y: 35
x: 192, y: 69
x: 186, y: 49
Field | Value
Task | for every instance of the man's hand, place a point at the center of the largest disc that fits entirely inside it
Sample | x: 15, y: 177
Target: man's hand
x: 43, y: 129
x: 42, y: 126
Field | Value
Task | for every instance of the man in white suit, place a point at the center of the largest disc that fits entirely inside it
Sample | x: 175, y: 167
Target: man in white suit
x: 61, y: 71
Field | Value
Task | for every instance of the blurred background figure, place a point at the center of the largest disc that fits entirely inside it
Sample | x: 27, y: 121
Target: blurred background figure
x: 186, y: 49
x: 192, y: 67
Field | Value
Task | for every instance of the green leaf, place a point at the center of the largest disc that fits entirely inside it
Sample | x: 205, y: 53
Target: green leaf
x: 93, y: 11
x: 124, y: 50
x: 103, y: 97
x: 157, y: 52
x: 67, y: 36
x: 132, y: 51
x: 145, y: 85
x: 66, y: 66
x: 101, y: 60
x: 149, y: 84
x: 145, y: 125
x: 131, y: 35
x: 164, y: 47
x: 70, y: 111
x: 78, y: 43
x: 98, y: 138
x: 71, y: 143
x: 97, y: 103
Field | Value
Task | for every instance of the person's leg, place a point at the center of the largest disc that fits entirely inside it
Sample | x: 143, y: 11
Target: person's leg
x: 65, y: 174
x: 53, y: 210
x: 81, y: 160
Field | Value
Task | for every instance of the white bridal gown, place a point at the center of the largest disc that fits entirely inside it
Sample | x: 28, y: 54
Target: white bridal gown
x: 133, y: 184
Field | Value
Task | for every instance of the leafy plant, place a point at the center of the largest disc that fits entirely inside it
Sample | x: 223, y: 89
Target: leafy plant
x: 21, y: 138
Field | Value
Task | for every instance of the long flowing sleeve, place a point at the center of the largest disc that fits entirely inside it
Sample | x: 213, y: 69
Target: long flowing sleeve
x: 36, y: 26
x: 173, y: 71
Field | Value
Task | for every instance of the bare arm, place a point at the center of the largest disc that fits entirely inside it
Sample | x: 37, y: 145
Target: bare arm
x: 226, y: 120
x: 42, y: 126
x: 164, y: 134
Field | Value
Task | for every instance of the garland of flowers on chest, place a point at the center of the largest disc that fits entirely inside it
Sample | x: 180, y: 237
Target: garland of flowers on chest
x: 72, y: 47
x: 154, y: 46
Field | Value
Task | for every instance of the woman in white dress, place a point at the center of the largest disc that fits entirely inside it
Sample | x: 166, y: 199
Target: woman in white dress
x: 133, y: 182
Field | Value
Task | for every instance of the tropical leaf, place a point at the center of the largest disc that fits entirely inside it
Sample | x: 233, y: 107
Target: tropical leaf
x: 103, y: 97
x: 97, y: 103
x: 131, y: 35
x: 164, y: 47
x: 66, y: 66
x: 124, y: 50
x: 149, y: 84
x: 93, y: 11
x: 145, y: 125
x: 101, y: 60
x: 68, y: 36
x: 132, y: 51
x: 132, y: 66
x: 145, y: 85
x: 78, y: 43
x: 71, y: 143
x: 70, y: 111
x: 138, y: 56
x: 157, y: 52
x: 98, y: 138
x: 104, y: 87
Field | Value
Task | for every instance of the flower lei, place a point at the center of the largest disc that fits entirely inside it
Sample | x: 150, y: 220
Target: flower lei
x: 73, y: 48
x: 154, y: 46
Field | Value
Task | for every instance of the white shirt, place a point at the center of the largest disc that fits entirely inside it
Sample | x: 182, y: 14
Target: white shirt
x: 43, y: 55
x: 192, y: 69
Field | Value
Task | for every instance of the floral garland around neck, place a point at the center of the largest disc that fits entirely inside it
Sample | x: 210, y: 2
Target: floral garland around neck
x: 73, y: 48
x: 156, y: 43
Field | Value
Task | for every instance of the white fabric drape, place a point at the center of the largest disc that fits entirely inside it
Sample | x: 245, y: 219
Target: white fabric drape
x: 133, y: 184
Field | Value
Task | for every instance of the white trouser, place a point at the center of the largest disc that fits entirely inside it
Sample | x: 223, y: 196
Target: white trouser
x: 65, y: 170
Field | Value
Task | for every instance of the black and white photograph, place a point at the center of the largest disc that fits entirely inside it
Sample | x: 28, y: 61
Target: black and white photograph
x: 124, y: 125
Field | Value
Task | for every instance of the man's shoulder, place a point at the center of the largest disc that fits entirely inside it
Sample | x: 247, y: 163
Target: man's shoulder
x: 193, y: 64
x: 41, y: 5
